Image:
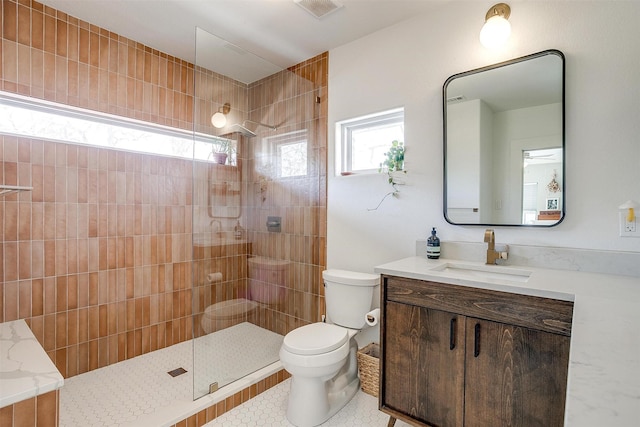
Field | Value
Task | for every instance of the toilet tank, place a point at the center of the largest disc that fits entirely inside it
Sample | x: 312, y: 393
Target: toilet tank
x: 267, y: 279
x: 348, y: 296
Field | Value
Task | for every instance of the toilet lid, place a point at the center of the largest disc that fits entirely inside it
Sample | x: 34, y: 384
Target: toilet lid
x: 316, y: 338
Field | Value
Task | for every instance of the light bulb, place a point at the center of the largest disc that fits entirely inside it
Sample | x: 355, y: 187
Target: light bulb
x: 495, y: 32
x: 219, y: 120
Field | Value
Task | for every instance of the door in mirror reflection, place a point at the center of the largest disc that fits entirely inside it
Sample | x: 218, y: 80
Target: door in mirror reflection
x: 541, y: 192
x: 504, y: 143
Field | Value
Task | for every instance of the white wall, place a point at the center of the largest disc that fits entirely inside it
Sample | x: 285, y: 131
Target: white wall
x: 516, y: 131
x: 406, y: 65
x: 465, y: 124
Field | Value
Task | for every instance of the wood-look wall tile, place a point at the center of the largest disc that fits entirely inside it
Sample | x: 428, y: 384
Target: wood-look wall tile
x: 61, y: 329
x: 37, y: 297
x: 61, y: 360
x: 24, y: 413
x: 94, y: 323
x: 72, y: 360
x: 24, y: 66
x: 24, y: 299
x: 103, y: 352
x: 83, y: 326
x: 73, y: 327
x: 72, y: 292
x: 37, y: 29
x: 61, y: 38
x: 47, y: 409
x: 10, y: 21
x: 93, y: 354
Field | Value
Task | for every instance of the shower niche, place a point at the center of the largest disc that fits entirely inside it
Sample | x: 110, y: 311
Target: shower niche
x: 224, y: 191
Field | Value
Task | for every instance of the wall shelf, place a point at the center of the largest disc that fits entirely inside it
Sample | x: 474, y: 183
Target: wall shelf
x: 5, y: 190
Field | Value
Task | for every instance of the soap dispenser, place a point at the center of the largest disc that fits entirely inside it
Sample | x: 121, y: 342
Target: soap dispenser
x: 237, y: 231
x: 433, y: 245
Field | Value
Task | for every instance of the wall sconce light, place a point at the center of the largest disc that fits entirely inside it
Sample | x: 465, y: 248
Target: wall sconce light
x: 496, y: 29
x: 219, y: 118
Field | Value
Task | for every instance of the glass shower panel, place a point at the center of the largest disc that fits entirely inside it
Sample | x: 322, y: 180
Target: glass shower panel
x: 233, y: 290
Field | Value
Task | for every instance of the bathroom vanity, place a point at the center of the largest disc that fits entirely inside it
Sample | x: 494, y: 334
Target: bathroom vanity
x: 465, y: 343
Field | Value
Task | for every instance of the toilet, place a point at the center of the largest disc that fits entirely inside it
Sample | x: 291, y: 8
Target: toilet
x: 267, y: 287
x: 321, y: 357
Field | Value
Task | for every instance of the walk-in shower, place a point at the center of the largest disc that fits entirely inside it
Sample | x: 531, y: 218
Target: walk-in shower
x: 114, y: 254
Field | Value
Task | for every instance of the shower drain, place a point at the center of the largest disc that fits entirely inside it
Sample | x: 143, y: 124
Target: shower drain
x: 177, y: 371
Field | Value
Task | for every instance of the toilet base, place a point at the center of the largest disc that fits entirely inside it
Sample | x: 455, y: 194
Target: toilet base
x: 313, y: 400
x: 325, y: 405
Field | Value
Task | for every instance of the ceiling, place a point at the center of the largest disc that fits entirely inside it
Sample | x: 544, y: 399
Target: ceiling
x: 521, y: 83
x: 278, y: 31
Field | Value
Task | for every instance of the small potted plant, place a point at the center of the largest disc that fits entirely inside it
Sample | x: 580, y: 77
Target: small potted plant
x: 221, y: 150
x: 394, y: 161
x: 393, y: 164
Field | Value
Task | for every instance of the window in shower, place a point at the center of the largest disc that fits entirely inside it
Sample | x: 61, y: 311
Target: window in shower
x: 29, y: 117
x: 283, y: 156
x: 292, y: 157
x: 361, y: 143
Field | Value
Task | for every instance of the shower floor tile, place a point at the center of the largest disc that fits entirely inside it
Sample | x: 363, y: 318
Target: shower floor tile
x: 269, y: 409
x: 130, y: 392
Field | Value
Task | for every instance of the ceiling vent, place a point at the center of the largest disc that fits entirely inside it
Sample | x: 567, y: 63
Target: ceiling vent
x: 319, y: 8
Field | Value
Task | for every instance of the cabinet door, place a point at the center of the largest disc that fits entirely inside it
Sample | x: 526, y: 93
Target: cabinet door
x: 515, y: 376
x: 423, y: 364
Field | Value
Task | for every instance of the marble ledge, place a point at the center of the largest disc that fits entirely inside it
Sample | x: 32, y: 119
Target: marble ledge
x: 25, y: 369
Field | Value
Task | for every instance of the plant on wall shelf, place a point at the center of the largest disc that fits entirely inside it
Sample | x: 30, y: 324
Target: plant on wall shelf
x: 222, y: 149
x: 392, y: 165
x: 395, y: 158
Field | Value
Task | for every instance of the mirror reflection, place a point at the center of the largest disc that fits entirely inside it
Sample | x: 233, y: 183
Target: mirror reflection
x: 504, y: 143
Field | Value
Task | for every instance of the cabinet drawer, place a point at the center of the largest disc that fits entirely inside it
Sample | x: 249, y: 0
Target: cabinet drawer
x: 544, y: 314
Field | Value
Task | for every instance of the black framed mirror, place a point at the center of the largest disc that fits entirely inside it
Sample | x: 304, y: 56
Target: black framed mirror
x: 504, y: 143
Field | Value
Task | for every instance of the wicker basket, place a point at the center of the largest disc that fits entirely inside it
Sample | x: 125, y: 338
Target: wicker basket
x: 369, y: 368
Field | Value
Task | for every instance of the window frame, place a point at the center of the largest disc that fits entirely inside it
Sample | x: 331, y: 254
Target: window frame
x: 269, y: 163
x: 344, y: 134
x: 199, y: 145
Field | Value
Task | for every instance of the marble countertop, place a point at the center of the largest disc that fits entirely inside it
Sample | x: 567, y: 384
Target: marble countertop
x: 25, y: 369
x: 604, y: 363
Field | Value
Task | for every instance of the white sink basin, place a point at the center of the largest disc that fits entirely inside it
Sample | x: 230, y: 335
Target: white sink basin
x: 483, y: 272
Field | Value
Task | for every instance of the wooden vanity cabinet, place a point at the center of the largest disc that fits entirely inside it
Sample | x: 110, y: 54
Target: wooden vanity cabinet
x: 461, y: 356
x: 422, y: 377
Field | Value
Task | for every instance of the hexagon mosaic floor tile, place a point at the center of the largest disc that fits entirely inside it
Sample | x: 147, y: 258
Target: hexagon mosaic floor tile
x: 132, y: 392
x: 269, y: 409
x: 126, y: 392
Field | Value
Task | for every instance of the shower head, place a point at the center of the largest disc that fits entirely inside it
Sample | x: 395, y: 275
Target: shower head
x: 259, y: 124
x: 245, y: 131
x: 242, y: 130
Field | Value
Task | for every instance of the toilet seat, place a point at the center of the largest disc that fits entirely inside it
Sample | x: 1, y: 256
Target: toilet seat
x: 316, y: 338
